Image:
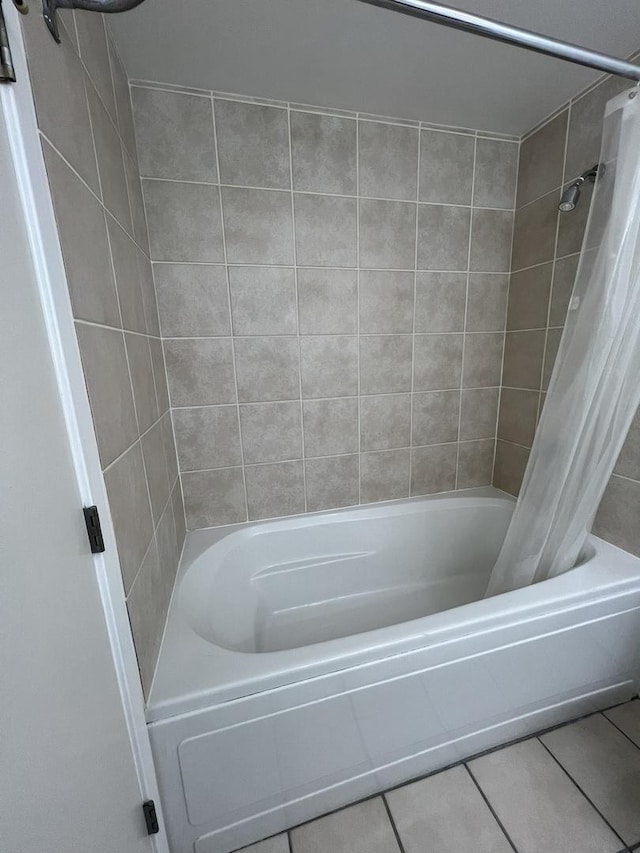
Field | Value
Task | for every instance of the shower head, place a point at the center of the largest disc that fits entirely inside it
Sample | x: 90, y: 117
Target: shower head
x: 571, y: 195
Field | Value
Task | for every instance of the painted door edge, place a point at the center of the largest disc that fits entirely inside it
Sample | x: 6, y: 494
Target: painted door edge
x: 17, y: 105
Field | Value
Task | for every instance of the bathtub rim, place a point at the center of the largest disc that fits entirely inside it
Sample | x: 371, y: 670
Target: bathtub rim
x: 248, y: 535
x: 198, y: 541
x: 193, y: 674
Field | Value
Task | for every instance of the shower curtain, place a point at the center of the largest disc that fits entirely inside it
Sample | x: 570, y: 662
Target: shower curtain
x: 595, y: 387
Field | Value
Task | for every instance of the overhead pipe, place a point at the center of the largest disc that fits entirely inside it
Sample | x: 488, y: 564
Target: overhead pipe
x: 7, y: 71
x: 50, y: 7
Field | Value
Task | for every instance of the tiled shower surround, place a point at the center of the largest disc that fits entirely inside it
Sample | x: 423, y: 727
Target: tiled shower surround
x: 332, y: 294
x: 83, y: 107
x: 546, y: 249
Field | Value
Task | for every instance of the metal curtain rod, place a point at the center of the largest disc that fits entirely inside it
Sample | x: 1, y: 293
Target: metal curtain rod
x: 496, y: 30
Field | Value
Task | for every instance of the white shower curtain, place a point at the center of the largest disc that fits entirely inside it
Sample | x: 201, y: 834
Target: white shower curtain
x: 595, y: 387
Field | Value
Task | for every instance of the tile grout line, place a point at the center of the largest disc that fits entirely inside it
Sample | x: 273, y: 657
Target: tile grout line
x: 622, y: 732
x: 526, y: 204
x: 359, y: 390
x: 121, y: 332
x: 169, y: 412
x: 133, y: 443
x: 565, y: 154
x: 383, y: 797
x: 352, y: 196
x: 318, y: 109
x: 490, y: 807
x: 343, y: 455
x: 506, y: 315
x: 515, y: 444
x: 86, y: 185
x: 630, y: 847
x: 298, y: 337
x: 232, y: 336
x: 464, y: 762
x: 113, y: 52
x: 92, y: 130
x: 413, y: 330
x: 154, y: 538
x: 178, y: 263
x: 579, y: 787
x: 321, y: 335
x: 153, y: 373
x: 139, y: 569
x: 173, y: 593
x: 624, y: 477
x: 78, y: 52
x: 148, y: 336
x: 124, y: 153
x: 553, y: 270
x: 146, y: 252
x: 466, y: 309
x: 139, y: 439
x: 347, y: 397
x: 547, y: 261
x: 300, y: 515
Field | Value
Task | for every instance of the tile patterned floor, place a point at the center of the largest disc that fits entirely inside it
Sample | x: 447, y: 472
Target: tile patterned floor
x: 574, y: 789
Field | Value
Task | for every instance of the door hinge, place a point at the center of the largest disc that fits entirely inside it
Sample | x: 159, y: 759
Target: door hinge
x: 150, y: 817
x: 94, y: 530
x: 7, y: 73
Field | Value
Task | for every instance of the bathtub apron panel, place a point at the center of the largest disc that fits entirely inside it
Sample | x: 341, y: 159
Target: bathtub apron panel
x: 314, y: 661
x: 233, y: 774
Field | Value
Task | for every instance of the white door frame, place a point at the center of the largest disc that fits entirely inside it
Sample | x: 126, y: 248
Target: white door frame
x: 16, y: 103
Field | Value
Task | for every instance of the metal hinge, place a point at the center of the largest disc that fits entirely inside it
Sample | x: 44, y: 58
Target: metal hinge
x: 150, y: 817
x: 94, y: 530
x: 7, y: 73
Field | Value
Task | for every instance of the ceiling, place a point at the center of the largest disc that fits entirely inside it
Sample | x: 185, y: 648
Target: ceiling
x: 345, y: 54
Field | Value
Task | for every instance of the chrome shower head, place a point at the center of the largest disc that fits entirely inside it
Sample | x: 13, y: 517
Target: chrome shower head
x: 571, y: 195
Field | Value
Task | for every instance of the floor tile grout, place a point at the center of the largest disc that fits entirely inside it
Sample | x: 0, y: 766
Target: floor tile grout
x: 464, y: 762
x: 587, y: 798
x: 393, y: 823
x: 490, y: 807
x: 622, y: 732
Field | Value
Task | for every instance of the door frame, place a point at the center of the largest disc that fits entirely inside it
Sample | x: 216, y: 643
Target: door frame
x: 17, y: 105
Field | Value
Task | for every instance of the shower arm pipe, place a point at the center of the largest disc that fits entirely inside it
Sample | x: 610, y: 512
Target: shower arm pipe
x: 457, y: 19
x: 50, y: 7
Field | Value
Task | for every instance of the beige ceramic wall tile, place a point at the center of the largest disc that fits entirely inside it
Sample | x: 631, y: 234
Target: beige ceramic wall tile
x: 84, y: 114
x: 365, y: 283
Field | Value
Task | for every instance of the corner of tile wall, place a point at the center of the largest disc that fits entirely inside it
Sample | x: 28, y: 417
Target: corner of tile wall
x: 546, y: 250
x: 83, y: 108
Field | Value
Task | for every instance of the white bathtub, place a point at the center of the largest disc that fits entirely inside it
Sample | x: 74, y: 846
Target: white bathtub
x: 312, y: 661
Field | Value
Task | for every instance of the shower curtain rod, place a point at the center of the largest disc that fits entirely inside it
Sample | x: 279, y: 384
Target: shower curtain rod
x: 496, y: 30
